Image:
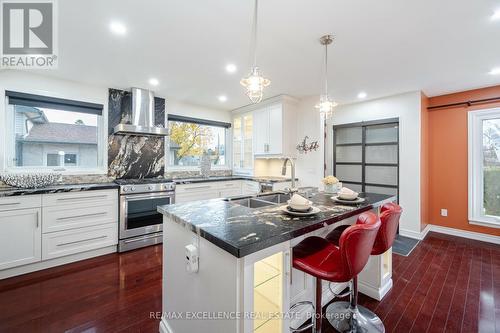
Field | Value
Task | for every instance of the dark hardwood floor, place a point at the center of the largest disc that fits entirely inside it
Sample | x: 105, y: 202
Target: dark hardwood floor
x: 447, y: 284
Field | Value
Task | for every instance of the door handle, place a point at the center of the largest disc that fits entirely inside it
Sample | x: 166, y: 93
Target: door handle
x: 82, y: 240
x: 10, y: 204
x: 80, y: 216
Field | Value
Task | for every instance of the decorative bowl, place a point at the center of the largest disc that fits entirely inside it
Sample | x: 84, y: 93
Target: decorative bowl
x: 29, y: 180
x: 348, y: 196
x: 299, y: 207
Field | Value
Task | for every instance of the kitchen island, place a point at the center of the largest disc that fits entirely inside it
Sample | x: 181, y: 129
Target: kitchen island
x: 240, y: 277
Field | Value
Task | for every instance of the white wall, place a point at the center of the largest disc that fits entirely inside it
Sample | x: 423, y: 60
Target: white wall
x: 195, y: 111
x: 310, y: 169
x: 407, y: 107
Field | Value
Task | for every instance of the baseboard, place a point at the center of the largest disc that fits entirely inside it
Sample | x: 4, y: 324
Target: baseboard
x: 375, y: 293
x: 412, y: 234
x: 15, y: 271
x: 466, y: 234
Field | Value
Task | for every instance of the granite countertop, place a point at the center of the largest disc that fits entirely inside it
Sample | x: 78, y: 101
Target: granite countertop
x: 13, y: 191
x: 241, y: 231
x: 227, y: 178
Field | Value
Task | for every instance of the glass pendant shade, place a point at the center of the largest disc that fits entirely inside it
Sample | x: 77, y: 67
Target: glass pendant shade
x: 255, y: 84
x: 326, y: 106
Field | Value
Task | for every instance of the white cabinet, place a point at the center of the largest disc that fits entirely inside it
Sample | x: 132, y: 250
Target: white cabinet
x: 273, y: 131
x: 36, y: 228
x: 243, y: 125
x: 250, y: 187
x: 207, y: 190
x: 20, y: 237
x: 268, y: 132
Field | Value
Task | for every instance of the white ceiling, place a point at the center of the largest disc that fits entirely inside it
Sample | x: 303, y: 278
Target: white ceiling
x: 383, y: 47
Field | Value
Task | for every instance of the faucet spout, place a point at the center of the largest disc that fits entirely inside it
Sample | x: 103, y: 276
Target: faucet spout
x: 292, y: 166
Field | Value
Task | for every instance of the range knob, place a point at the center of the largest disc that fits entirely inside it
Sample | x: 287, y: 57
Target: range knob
x: 132, y: 188
x: 150, y: 187
x: 125, y: 189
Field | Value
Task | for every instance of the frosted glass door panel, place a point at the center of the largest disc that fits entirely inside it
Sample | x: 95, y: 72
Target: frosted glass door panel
x: 354, y: 187
x: 248, y: 137
x: 382, y: 190
x: 382, y: 154
x: 237, y: 143
x: 382, y: 133
x: 348, y: 135
x: 349, y: 154
x: 382, y: 175
x: 349, y: 173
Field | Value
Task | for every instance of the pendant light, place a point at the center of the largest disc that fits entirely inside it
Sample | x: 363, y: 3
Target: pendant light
x: 326, y: 103
x: 254, y: 82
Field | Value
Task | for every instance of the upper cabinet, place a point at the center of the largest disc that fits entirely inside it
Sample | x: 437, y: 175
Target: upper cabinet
x: 243, y: 125
x: 265, y: 130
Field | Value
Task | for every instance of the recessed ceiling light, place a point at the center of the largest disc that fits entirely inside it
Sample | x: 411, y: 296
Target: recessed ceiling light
x: 496, y: 15
x: 495, y: 71
x: 362, y: 95
x: 231, y: 68
x: 153, y: 81
x: 118, y: 28
x: 222, y: 98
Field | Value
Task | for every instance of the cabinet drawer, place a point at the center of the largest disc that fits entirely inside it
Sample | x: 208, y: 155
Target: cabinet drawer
x: 82, y: 199
x: 20, y: 202
x: 63, y: 243
x: 230, y: 185
x: 56, y: 218
x: 197, y: 187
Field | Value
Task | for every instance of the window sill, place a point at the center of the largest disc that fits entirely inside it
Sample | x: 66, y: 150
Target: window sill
x: 485, y: 222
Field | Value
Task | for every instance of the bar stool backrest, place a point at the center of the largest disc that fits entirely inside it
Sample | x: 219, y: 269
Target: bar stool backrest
x: 389, y: 218
x: 356, y: 243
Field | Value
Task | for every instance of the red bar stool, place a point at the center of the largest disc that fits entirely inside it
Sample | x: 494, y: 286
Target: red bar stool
x: 326, y: 261
x: 348, y: 316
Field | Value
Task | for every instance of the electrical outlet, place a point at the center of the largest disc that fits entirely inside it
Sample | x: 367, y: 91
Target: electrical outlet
x: 444, y: 212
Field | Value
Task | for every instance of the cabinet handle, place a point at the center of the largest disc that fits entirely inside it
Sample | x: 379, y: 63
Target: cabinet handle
x: 10, y: 204
x: 80, y: 216
x: 288, y: 260
x: 197, y: 188
x: 83, y: 240
x: 80, y: 198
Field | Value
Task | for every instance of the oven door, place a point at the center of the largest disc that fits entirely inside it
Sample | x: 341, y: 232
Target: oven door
x: 138, y: 214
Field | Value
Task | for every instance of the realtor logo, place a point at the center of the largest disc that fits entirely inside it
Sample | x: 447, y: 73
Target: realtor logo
x: 28, y: 34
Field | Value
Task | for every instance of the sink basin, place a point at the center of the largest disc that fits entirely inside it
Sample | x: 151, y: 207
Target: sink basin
x: 276, y: 198
x: 253, y: 203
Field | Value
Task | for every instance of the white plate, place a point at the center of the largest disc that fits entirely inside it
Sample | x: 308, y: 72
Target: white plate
x: 356, y: 201
x: 315, y: 210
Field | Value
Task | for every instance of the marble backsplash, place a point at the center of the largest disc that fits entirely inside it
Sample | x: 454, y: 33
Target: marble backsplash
x: 131, y: 156
x: 196, y: 174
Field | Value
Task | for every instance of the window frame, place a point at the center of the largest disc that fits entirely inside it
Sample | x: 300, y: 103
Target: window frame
x: 7, y: 149
x: 204, y: 122
x: 475, y: 167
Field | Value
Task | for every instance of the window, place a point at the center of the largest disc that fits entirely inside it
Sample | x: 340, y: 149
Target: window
x: 191, y: 138
x: 484, y: 167
x: 54, y: 134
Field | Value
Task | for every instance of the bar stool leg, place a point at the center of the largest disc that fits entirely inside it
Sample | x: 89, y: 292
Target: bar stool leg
x: 318, y: 318
x: 351, y: 317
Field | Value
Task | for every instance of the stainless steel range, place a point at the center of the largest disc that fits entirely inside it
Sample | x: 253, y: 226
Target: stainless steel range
x: 140, y: 223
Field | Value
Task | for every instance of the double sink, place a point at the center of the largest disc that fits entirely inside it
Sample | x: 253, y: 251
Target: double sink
x: 261, y: 200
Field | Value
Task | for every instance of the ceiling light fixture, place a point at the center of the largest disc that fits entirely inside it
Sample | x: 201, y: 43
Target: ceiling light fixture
x: 222, y: 98
x: 495, y: 71
x: 153, y: 81
x: 118, y: 28
x: 326, y: 103
x: 496, y: 15
x: 231, y: 68
x: 362, y: 95
x: 254, y: 82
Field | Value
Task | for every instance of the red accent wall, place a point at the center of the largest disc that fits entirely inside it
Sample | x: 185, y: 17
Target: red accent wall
x: 446, y: 137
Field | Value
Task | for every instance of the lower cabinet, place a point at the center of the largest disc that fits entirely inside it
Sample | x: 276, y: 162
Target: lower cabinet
x: 20, y: 237
x: 63, y: 243
x: 36, y: 228
x: 214, y: 190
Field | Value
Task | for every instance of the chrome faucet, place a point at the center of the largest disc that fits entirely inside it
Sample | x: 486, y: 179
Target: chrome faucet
x: 283, y: 172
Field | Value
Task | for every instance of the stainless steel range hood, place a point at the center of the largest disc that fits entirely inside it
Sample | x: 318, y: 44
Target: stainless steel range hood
x: 143, y: 116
